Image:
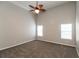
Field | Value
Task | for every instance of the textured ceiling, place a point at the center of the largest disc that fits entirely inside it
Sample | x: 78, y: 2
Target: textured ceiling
x: 47, y: 4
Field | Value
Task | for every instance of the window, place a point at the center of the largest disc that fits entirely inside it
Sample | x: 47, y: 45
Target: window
x: 66, y: 31
x: 39, y: 30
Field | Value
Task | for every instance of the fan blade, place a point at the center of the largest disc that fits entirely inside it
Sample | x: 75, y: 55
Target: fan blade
x: 31, y: 10
x: 40, y: 6
x: 43, y: 10
x: 32, y: 6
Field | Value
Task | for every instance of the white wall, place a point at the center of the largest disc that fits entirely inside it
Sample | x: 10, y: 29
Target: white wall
x: 17, y: 26
x: 77, y: 27
x: 53, y: 18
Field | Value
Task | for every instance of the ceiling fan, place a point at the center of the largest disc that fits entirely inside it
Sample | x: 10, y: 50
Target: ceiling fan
x: 38, y: 8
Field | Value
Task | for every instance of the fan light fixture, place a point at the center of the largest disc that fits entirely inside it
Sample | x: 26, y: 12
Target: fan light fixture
x: 37, y: 11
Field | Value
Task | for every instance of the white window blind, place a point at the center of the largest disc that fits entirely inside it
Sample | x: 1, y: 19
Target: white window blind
x: 66, y: 31
x: 40, y: 30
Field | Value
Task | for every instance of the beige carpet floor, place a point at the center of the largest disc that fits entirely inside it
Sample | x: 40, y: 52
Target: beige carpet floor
x: 39, y: 49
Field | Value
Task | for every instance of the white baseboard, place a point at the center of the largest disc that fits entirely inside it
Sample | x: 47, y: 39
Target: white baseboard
x: 59, y: 43
x: 40, y: 40
x: 14, y: 45
x: 77, y: 51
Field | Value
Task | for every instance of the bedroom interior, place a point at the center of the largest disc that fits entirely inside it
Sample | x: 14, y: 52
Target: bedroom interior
x: 39, y: 29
